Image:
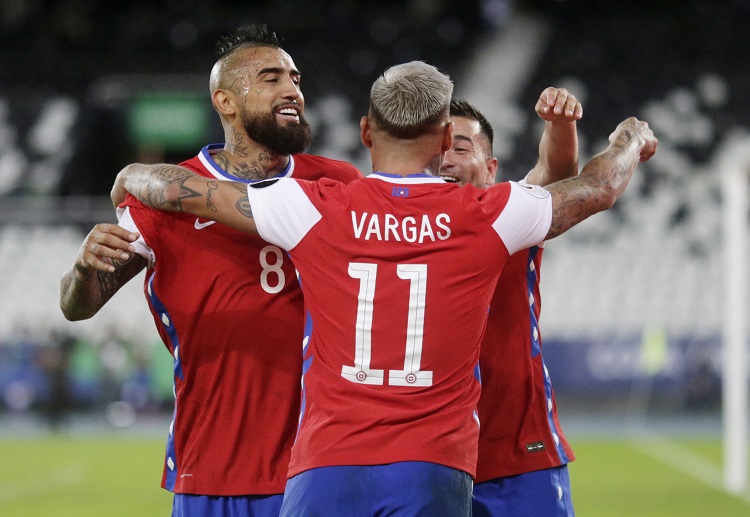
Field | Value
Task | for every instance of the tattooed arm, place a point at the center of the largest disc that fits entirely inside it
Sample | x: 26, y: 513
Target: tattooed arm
x: 604, y: 177
x: 106, y: 261
x: 175, y: 189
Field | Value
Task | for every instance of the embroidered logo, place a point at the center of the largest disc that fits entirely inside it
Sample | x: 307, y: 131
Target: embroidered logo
x: 535, y: 447
x: 199, y: 225
x: 535, y: 190
x: 400, y: 192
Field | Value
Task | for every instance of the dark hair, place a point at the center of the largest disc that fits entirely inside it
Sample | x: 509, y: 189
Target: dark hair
x: 248, y: 36
x: 462, y: 108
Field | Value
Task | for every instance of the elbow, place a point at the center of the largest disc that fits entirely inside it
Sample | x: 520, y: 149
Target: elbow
x: 606, y: 196
x: 71, y: 316
x: 76, y: 315
x: 609, y: 199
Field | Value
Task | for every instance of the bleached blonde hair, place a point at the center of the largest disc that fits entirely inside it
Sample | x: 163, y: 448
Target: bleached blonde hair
x: 409, y: 98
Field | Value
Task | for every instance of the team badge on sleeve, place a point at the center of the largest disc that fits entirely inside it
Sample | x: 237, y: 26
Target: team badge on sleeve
x: 535, y: 190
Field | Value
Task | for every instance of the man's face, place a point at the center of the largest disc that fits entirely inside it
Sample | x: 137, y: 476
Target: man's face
x: 270, y: 101
x: 468, y: 161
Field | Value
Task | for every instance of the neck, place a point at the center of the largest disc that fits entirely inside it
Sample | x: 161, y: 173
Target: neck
x: 247, y: 159
x: 404, y: 157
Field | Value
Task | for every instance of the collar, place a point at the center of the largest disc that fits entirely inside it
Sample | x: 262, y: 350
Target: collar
x: 206, y: 158
x: 411, y: 179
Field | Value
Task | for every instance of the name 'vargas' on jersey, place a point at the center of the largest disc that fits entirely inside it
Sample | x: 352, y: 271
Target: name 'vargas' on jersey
x: 386, y: 227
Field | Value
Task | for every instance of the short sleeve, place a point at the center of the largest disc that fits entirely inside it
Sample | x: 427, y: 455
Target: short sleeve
x: 126, y: 221
x: 282, y: 210
x: 526, y: 218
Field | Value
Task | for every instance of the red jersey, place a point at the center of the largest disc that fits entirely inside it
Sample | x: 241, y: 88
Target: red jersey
x: 229, y: 309
x: 520, y: 429
x: 398, y: 274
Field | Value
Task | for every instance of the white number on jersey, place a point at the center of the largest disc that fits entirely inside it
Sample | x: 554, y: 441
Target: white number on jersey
x: 411, y: 375
x: 275, y: 269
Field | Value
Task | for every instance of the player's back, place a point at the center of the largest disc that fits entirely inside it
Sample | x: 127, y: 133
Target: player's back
x: 398, y: 275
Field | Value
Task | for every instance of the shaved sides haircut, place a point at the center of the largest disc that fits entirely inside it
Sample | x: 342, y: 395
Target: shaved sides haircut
x: 409, y: 98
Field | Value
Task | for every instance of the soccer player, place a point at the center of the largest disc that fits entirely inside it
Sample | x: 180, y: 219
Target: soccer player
x: 523, y: 455
x: 397, y: 270
x: 228, y: 307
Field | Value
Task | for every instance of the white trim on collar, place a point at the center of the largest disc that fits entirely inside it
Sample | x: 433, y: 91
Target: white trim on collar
x: 219, y: 173
x: 411, y: 179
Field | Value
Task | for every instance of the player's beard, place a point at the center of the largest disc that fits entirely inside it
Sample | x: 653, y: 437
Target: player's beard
x: 264, y: 129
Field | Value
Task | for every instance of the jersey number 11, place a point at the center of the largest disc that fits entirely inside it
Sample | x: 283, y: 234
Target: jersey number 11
x: 411, y: 375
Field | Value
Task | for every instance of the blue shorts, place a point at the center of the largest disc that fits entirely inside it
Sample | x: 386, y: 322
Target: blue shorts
x: 188, y: 505
x: 401, y: 489
x: 543, y: 492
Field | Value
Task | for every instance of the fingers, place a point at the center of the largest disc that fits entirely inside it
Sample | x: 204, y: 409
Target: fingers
x: 633, y: 128
x: 103, y: 245
x: 557, y: 104
x: 649, y: 149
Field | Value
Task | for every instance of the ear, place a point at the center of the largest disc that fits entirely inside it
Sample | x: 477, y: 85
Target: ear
x: 365, y: 132
x: 223, y: 102
x: 447, y: 137
x: 491, y: 171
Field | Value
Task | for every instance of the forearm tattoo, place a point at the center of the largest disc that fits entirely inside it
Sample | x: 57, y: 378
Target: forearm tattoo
x: 110, y: 283
x: 151, y: 186
x: 212, y: 185
x: 243, y: 203
x: 601, y: 182
x: 80, y: 298
x: 573, y: 201
x: 625, y: 137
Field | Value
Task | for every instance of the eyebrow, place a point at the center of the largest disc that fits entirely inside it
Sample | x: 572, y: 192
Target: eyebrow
x: 277, y: 70
x: 464, y: 138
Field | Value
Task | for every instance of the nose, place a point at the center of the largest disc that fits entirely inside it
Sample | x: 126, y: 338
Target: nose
x: 448, y: 160
x: 291, y: 89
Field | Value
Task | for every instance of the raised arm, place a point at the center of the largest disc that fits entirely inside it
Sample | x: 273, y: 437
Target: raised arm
x: 604, y: 177
x: 175, y: 189
x: 105, y: 262
x: 558, y: 148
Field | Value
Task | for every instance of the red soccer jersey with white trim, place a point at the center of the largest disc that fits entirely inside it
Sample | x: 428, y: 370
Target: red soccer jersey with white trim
x: 398, y: 274
x: 520, y: 430
x: 229, y: 309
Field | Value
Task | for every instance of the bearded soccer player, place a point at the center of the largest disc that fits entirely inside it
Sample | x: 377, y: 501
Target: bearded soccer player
x: 523, y: 454
x: 398, y: 270
x: 228, y: 307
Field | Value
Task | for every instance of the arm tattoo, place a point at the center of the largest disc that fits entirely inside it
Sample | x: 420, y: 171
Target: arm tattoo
x: 81, y: 298
x: 598, y: 186
x: 110, y: 283
x: 150, y: 186
x: 212, y: 185
x: 572, y: 203
x: 243, y: 203
x: 626, y: 136
x: 185, y: 193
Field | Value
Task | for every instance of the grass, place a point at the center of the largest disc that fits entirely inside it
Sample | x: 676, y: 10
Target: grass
x: 81, y: 476
x: 651, y: 478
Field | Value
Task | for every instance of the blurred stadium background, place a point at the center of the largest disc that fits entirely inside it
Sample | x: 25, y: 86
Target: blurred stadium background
x: 633, y: 299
